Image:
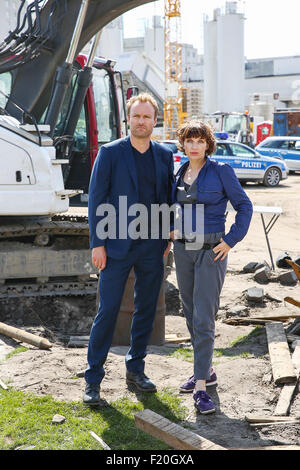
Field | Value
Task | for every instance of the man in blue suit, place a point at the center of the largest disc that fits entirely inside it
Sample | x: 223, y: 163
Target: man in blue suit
x: 138, y: 171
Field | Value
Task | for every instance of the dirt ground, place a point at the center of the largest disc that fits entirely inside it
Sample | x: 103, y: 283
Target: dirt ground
x: 244, y: 372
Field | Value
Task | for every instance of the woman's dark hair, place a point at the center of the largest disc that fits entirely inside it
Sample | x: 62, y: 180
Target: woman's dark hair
x: 197, y: 129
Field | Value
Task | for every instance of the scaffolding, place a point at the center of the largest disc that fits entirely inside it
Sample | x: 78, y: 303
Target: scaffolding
x: 174, y: 114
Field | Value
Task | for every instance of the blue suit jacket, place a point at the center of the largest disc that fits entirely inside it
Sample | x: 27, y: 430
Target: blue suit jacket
x: 114, y: 174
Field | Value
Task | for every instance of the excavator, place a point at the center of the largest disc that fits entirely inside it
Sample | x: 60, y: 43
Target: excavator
x: 56, y: 108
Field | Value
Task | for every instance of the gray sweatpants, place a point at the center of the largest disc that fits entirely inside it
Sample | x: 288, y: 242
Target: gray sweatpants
x: 200, y: 281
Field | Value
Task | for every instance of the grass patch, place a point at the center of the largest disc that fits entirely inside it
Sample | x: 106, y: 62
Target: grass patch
x: 18, y: 350
x: 26, y: 421
x: 231, y: 351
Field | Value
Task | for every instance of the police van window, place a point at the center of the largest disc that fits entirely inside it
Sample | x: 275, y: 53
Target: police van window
x: 221, y: 150
x: 285, y: 145
x: 272, y: 144
x: 240, y: 151
x: 291, y: 145
x: 171, y: 146
x: 297, y: 145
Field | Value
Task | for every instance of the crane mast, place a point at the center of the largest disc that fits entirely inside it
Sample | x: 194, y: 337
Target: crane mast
x: 174, y: 115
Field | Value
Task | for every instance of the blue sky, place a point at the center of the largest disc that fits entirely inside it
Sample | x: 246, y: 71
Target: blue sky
x: 271, y: 27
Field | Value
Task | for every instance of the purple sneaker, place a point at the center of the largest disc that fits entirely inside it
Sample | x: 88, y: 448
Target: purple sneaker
x: 203, y: 403
x: 189, y: 385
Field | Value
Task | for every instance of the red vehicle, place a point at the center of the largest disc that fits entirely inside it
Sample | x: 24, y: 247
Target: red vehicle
x: 102, y: 119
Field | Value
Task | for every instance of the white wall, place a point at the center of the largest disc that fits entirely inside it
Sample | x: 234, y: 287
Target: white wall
x: 111, y: 40
x: 8, y: 17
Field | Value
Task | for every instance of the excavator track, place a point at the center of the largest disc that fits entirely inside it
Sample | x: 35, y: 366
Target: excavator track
x: 58, y: 225
x: 46, y: 257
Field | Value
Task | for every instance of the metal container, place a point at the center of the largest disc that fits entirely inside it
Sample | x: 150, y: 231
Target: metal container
x: 122, y: 331
x: 123, y: 326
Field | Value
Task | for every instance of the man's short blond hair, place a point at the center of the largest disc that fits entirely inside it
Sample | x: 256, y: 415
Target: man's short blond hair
x: 143, y: 98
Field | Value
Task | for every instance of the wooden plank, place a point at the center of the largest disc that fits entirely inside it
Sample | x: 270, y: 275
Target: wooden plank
x: 288, y: 390
x: 295, y: 267
x: 284, y: 401
x: 101, y: 441
x: 275, y: 423
x: 292, y: 301
x: 172, y: 434
x: 177, y: 339
x: 282, y: 366
x: 296, y: 358
x: 3, y: 385
x: 246, y: 321
x: 261, y: 319
x: 252, y: 418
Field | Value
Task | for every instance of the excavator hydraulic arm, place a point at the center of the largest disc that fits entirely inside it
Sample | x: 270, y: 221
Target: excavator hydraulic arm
x: 33, y: 80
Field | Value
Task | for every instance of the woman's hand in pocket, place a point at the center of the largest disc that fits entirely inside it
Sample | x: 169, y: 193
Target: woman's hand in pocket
x: 221, y: 250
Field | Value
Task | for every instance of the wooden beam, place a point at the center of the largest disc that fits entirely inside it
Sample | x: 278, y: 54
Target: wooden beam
x: 274, y: 423
x: 284, y: 401
x: 24, y: 337
x: 172, y: 434
x: 101, y: 441
x: 292, y: 301
x: 295, y: 267
x: 261, y: 319
x: 287, y: 392
x: 282, y: 366
x: 251, y: 418
x: 3, y: 385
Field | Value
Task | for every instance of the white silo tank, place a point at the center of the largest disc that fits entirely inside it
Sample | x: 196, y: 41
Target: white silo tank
x: 230, y: 60
x: 111, y: 40
x: 210, y: 66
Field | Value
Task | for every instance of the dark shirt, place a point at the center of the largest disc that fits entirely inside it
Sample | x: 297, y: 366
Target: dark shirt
x: 145, y: 169
x: 186, y: 193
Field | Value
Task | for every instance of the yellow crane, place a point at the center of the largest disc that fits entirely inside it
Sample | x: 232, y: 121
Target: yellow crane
x: 173, y: 105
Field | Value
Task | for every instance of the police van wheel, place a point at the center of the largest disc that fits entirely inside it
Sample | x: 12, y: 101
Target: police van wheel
x: 272, y: 177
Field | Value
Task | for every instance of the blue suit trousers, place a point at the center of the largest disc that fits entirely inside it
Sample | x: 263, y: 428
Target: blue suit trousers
x: 146, y: 257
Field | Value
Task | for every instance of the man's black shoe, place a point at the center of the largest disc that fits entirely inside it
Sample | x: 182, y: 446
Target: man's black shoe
x: 140, y: 381
x: 92, y: 394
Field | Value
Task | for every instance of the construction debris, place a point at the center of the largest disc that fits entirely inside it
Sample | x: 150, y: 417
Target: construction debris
x: 281, y: 261
x: 83, y: 341
x: 263, y: 275
x: 251, y: 418
x: 282, y: 366
x: 252, y: 267
x: 101, y: 441
x: 3, y: 385
x: 255, y: 294
x: 288, y: 279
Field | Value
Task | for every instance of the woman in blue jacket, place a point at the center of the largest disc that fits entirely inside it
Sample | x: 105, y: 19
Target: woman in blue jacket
x: 201, y: 268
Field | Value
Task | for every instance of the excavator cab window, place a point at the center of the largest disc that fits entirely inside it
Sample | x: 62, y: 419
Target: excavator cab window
x: 105, y: 107
x: 80, y: 134
x: 5, y: 87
